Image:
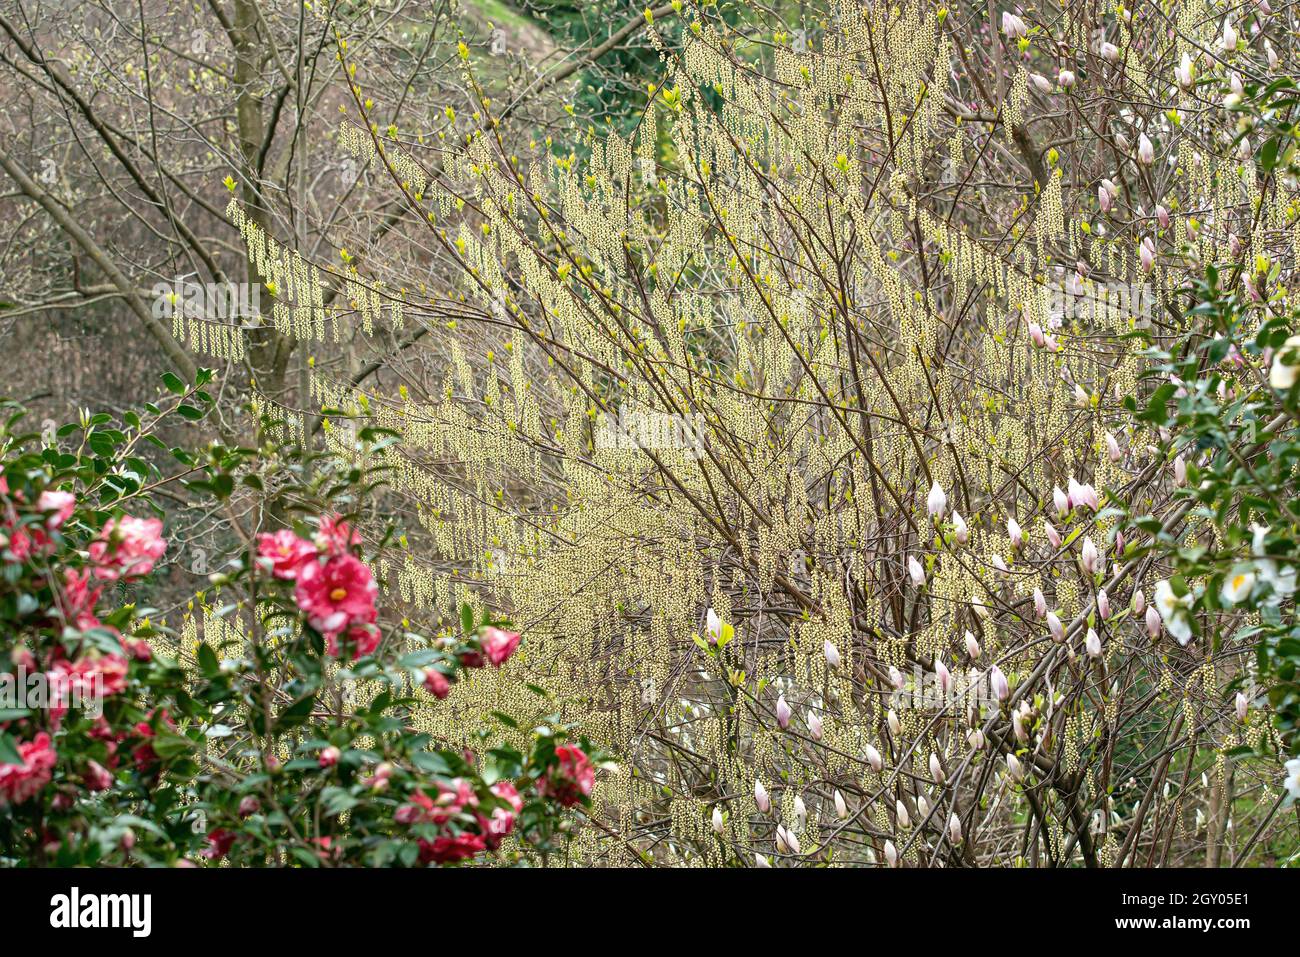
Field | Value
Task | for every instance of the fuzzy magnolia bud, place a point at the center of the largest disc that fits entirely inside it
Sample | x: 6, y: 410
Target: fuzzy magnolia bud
x: 1015, y: 533
x: 1061, y: 501
x: 1146, y: 152
x: 814, y: 726
x: 1139, y: 602
x: 1054, y: 627
x: 1040, y: 603
x: 896, y: 678
x: 895, y: 726
x: 1103, y: 603
x: 1243, y: 706
x: 1092, y: 644
x: 841, y: 808
x: 1053, y: 535
x: 959, y: 529
x: 891, y: 854
x: 942, y: 676
x: 954, y: 828
x: 972, y: 646
x: 761, y: 798
x: 717, y: 819
x: 1013, y: 767
x: 800, y: 810
x: 976, y: 739
x: 936, y: 768
x: 712, y: 626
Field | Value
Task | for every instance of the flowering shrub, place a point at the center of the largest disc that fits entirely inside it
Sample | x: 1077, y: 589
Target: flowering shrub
x: 112, y: 752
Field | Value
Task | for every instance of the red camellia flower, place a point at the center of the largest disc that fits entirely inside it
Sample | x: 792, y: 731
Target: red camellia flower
x: 285, y: 551
x: 220, y: 841
x: 436, y: 683
x: 502, y: 821
x: 97, y: 777
x: 499, y: 645
x: 570, y: 779
x: 336, y: 594
x: 446, y: 850
x: 79, y: 599
x: 127, y: 548
x: 21, y: 782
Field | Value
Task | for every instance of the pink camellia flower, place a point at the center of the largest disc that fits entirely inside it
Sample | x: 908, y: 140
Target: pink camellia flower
x: 127, y: 548
x: 336, y: 537
x: 249, y: 806
x: 58, y: 505
x: 499, y: 645
x: 570, y: 779
x: 436, y: 683
x: 363, y: 639
x: 329, y: 757
x: 79, y: 599
x: 502, y: 821
x: 97, y: 777
x: 336, y: 594
x: 21, y: 782
x: 285, y: 552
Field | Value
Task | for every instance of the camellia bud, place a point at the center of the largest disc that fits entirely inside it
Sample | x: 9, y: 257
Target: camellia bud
x: 761, y: 798
x: 329, y: 757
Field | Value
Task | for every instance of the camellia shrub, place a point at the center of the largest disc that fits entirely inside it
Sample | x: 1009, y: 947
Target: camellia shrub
x: 244, y: 749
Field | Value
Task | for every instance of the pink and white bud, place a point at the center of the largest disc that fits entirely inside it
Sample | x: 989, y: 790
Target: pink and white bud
x: 900, y: 814
x: 936, y: 768
x: 1013, y: 27
x: 1015, y: 533
x: 712, y: 626
x: 1041, y: 83
x: 1243, y: 706
x: 1162, y: 217
x: 936, y: 503
x: 1103, y: 199
x: 976, y: 739
x: 998, y: 684
x: 1055, y: 628
x: 1112, y: 448
x: 896, y: 678
x: 1185, y: 72
x: 1109, y: 52
x: 1180, y: 471
x: 1146, y: 154
x: 874, y: 759
x: 1061, y: 500
x: 959, y: 529
x: 915, y: 571
x: 895, y: 726
x: 1147, y: 255
x: 943, y: 677
x: 717, y: 820
x: 1018, y: 727
x: 1014, y: 769
x: 1103, y: 604
x: 761, y: 798
x: 1065, y: 79
x: 1036, y: 335
x: 972, y: 646
x: 841, y: 807
x: 1153, y: 622
x: 1139, y: 602
x: 1089, y: 557
x: 954, y: 828
x: 1040, y: 603
x: 1229, y: 39
x: 1053, y: 535
x: 782, y: 712
x: 814, y: 726
x: 832, y: 653
x: 891, y: 854
x: 1092, y: 644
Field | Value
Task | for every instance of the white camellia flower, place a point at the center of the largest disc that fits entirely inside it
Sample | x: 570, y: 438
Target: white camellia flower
x: 1238, y: 586
x: 1292, y: 782
x: 1174, y: 611
x: 1286, y: 365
